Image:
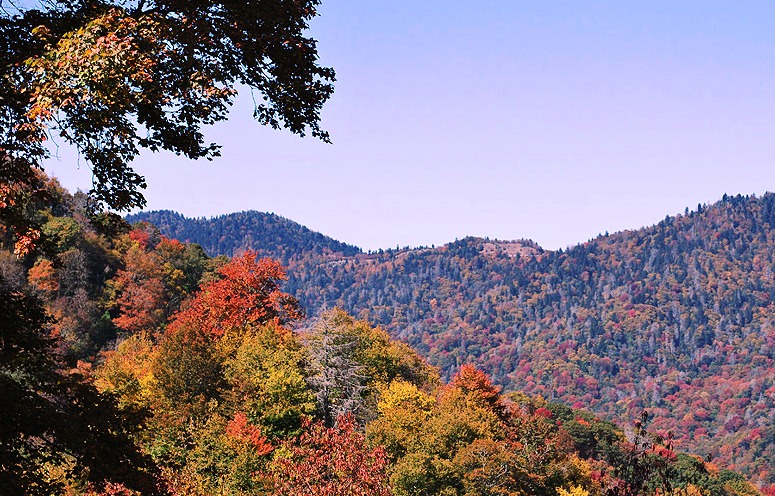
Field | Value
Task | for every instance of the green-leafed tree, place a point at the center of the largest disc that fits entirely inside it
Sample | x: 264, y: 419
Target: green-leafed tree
x: 264, y: 369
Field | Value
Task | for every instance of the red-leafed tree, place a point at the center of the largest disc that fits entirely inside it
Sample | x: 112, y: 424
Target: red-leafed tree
x: 248, y: 293
x: 332, y: 462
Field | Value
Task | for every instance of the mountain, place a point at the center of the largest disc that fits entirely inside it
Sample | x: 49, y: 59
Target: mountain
x: 267, y: 234
x: 134, y: 363
x: 675, y: 318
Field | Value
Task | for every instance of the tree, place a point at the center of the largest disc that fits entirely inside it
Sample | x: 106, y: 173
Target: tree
x: 264, y: 368
x: 42, y: 277
x: 425, y: 435
x: 469, y: 441
x: 55, y: 429
x: 350, y: 361
x: 248, y: 293
x: 112, y: 78
x: 22, y: 191
x: 331, y: 461
x: 475, y: 383
x: 141, y: 297
x: 335, y: 375
x: 649, y: 461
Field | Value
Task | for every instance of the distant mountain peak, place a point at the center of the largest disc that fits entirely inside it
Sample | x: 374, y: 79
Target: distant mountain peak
x: 266, y: 233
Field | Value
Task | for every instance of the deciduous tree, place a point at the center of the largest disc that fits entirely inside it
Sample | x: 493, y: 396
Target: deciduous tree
x: 54, y: 428
x: 247, y: 294
x: 113, y: 78
x: 331, y: 461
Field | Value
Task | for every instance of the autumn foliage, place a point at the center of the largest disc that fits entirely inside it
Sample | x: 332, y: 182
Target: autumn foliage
x: 331, y: 462
x: 475, y: 384
x: 247, y: 293
x: 240, y: 429
x: 160, y: 369
x: 674, y: 318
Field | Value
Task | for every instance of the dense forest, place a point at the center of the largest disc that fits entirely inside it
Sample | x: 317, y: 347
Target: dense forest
x: 248, y: 355
x: 675, y: 318
x: 267, y: 234
x: 132, y: 363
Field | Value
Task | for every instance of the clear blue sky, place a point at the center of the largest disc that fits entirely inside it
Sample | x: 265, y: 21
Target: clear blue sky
x: 547, y: 120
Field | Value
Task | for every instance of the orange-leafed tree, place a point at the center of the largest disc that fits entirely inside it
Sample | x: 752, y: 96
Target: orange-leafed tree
x: 248, y: 293
x: 477, y: 385
x: 141, y: 295
x: 43, y: 277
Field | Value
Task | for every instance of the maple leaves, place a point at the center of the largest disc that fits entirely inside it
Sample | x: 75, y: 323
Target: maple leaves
x: 86, y: 85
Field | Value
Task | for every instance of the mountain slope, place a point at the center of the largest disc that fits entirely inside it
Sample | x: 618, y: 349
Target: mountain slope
x: 676, y: 318
x: 267, y: 234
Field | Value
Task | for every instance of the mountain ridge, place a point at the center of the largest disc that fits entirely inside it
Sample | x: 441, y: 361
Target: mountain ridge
x: 675, y: 318
x: 273, y: 232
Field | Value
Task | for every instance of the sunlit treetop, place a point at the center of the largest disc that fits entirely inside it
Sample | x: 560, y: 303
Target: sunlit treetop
x: 113, y: 78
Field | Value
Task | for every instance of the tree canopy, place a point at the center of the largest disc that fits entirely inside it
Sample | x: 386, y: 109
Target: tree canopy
x: 112, y: 78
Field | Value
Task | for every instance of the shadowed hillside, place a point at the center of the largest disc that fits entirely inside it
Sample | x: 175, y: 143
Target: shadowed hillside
x: 267, y: 234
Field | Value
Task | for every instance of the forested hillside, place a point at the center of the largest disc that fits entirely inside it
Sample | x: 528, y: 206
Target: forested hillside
x: 676, y: 318
x: 134, y: 364
x: 266, y: 234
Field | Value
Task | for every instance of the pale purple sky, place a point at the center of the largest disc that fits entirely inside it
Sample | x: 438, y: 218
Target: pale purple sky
x: 547, y: 120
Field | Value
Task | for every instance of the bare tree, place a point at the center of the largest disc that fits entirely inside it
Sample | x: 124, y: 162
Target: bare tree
x: 334, y: 374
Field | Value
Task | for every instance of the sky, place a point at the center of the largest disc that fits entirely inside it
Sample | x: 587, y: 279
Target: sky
x: 548, y: 120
